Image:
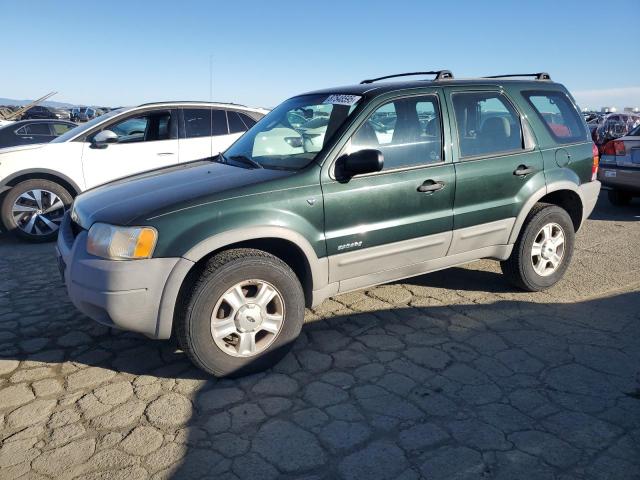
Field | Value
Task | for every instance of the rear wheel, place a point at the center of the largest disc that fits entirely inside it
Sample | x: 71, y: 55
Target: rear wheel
x: 33, y: 209
x: 543, y: 250
x: 243, y: 313
x: 618, y: 198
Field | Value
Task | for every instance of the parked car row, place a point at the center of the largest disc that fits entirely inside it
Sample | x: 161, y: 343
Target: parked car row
x: 42, y: 112
x: 332, y: 191
x: 607, y: 127
x: 38, y: 182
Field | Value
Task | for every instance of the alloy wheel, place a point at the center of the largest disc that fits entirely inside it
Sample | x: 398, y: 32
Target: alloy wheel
x: 247, y: 318
x: 547, y: 250
x: 38, y: 212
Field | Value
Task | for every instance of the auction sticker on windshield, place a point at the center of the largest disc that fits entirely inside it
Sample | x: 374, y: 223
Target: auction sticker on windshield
x: 338, y: 99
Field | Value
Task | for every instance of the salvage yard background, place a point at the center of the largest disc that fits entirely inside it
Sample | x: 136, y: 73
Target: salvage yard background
x: 448, y: 375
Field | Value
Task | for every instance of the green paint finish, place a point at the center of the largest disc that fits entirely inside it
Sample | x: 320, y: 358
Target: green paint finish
x: 385, y: 208
x: 293, y: 202
x: 191, y: 204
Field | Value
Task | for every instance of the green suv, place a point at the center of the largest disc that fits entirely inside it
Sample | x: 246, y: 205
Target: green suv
x: 333, y: 191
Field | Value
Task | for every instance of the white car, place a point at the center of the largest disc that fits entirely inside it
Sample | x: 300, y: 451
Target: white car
x: 39, y: 182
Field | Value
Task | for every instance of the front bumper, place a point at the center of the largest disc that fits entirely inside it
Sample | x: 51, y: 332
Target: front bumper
x: 121, y: 294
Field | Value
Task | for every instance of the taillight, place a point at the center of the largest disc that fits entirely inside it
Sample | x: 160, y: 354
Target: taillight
x: 618, y: 147
x: 596, y: 161
x: 608, y: 148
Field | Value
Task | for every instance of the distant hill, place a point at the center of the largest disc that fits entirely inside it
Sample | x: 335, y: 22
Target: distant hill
x: 46, y: 103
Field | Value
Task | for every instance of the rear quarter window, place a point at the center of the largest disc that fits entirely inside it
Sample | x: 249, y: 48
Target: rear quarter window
x: 558, y: 114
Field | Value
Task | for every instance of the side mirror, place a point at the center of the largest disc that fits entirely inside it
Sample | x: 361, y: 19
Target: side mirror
x: 360, y: 162
x: 104, y: 138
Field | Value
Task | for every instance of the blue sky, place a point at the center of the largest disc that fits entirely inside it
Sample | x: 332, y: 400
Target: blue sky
x: 128, y: 52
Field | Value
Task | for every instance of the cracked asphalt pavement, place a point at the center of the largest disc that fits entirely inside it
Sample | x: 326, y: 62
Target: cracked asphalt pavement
x: 452, y: 375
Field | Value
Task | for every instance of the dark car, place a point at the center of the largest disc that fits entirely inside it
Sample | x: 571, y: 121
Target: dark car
x: 226, y: 252
x: 42, y: 112
x: 26, y: 132
x: 88, y: 113
x: 620, y: 172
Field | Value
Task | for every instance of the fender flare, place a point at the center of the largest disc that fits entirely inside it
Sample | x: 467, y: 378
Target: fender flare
x: 34, y: 171
x: 319, y: 267
x: 533, y: 199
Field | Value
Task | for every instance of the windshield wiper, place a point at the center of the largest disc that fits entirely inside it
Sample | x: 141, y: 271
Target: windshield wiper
x: 243, y: 159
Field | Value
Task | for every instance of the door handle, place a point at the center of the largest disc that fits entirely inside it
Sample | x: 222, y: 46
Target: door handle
x: 523, y: 170
x: 430, y: 186
x: 162, y: 154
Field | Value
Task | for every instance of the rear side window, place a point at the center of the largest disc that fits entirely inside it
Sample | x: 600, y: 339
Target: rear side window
x: 197, y: 122
x: 247, y: 120
x: 558, y: 114
x: 34, y: 129
x: 220, y: 126
x: 236, y: 125
x: 487, y: 124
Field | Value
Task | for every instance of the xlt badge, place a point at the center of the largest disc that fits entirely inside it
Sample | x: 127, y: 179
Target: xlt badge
x: 350, y: 245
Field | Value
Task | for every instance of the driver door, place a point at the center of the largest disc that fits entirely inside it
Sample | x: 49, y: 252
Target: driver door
x: 146, y: 141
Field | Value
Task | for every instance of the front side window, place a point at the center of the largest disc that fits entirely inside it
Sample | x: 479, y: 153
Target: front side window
x: 487, y: 124
x: 197, y: 122
x: 291, y: 135
x: 407, y: 132
x: 151, y: 127
x: 558, y: 114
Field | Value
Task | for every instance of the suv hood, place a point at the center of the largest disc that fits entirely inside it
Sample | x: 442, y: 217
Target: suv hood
x: 165, y: 190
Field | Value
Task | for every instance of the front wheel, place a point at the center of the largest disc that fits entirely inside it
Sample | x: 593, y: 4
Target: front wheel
x: 33, y: 209
x: 543, y: 250
x: 243, y: 313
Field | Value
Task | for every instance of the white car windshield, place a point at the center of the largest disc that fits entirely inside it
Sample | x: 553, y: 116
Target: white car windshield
x: 291, y: 136
x: 74, y: 132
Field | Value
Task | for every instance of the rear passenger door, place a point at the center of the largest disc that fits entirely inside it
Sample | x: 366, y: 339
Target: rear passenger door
x: 497, y: 166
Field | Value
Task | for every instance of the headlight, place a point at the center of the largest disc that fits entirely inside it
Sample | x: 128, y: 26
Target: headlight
x: 121, y: 243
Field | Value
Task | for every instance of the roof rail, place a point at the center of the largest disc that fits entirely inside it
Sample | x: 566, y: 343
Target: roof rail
x: 537, y: 76
x: 439, y: 75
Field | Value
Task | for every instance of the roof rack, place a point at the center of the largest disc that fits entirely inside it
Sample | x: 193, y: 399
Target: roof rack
x: 537, y: 76
x: 439, y: 75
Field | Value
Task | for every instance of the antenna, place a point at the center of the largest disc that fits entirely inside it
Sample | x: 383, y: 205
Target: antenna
x: 211, y: 77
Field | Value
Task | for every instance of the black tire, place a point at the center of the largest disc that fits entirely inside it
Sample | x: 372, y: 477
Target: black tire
x: 12, y: 195
x: 221, y: 273
x: 618, y: 198
x: 519, y: 269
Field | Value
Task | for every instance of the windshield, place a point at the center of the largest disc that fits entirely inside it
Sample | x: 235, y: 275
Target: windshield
x: 292, y: 134
x: 74, y: 132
